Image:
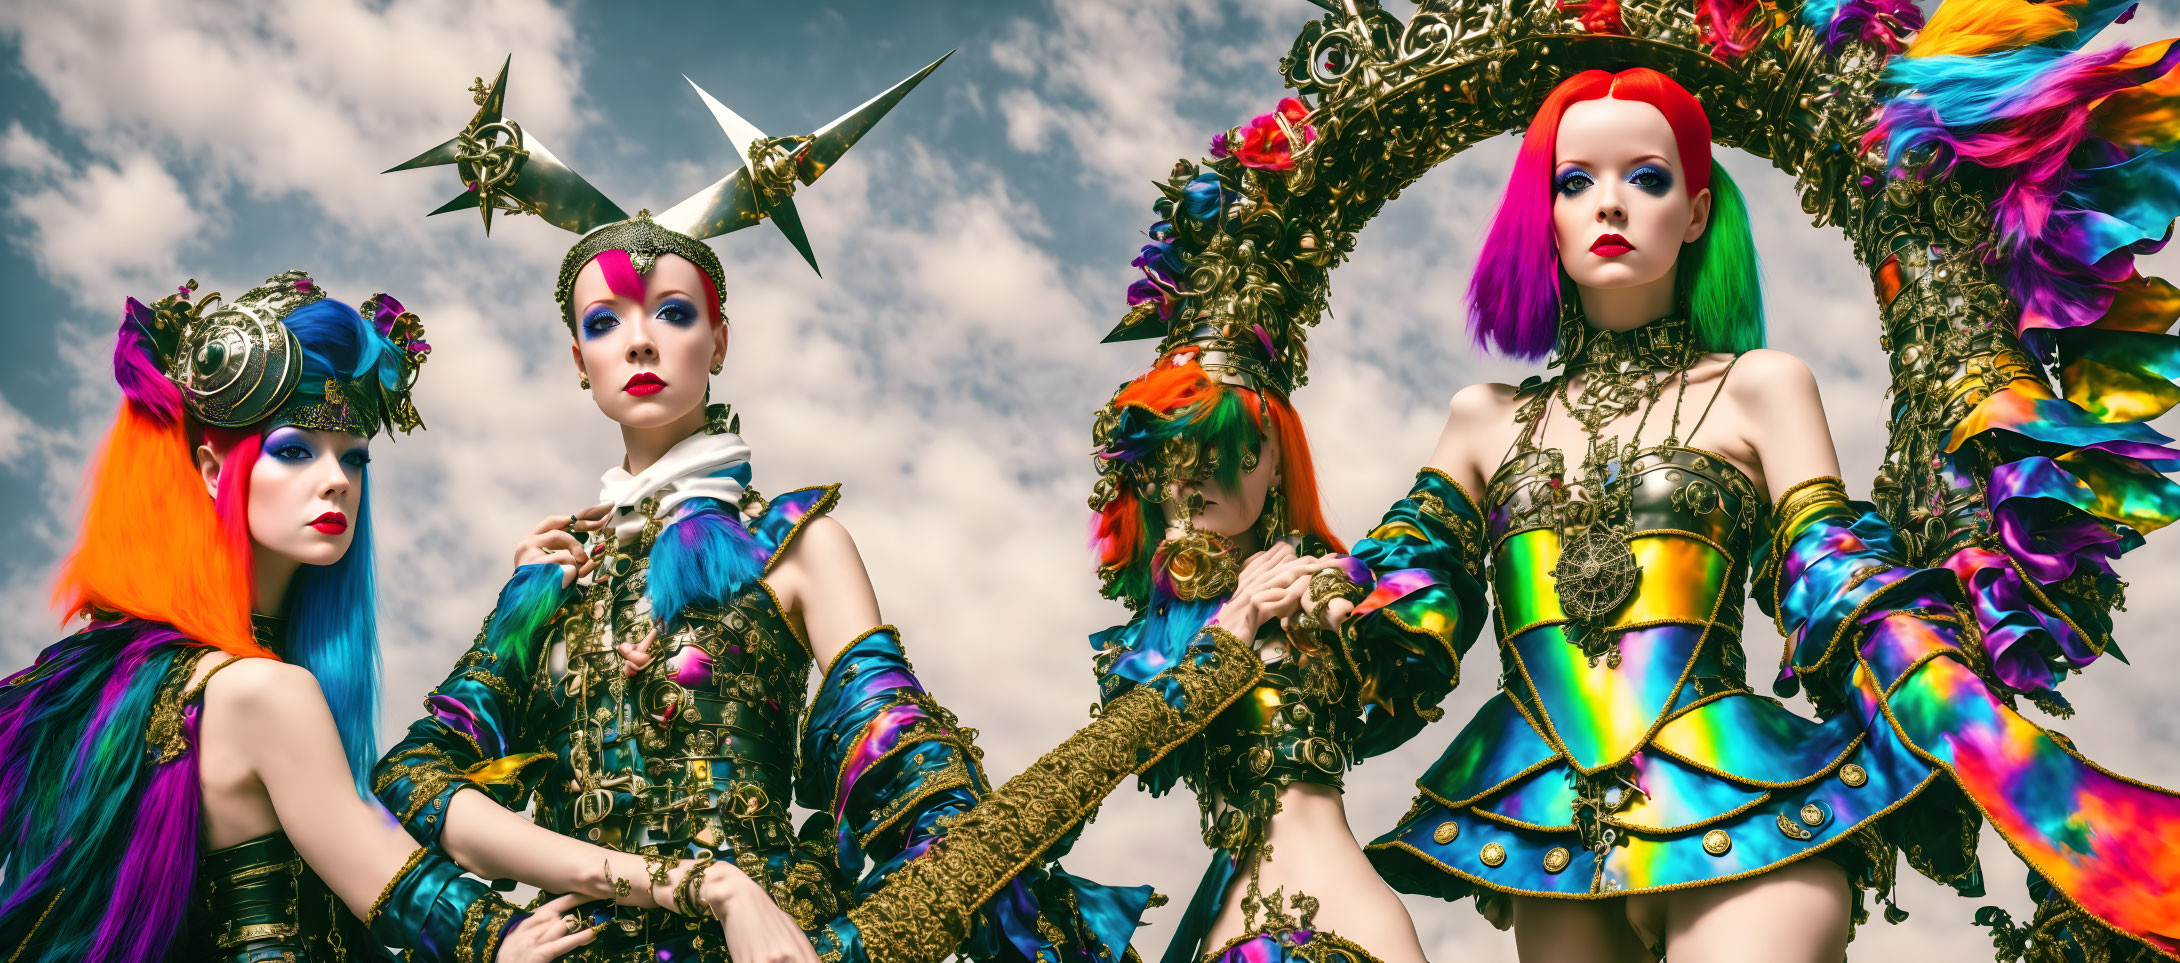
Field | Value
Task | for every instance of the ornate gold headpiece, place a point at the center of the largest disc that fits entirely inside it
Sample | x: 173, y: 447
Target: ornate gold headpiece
x: 505, y: 169
x: 237, y: 363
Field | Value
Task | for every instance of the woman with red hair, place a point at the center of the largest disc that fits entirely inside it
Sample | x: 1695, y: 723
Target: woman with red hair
x: 1205, y: 464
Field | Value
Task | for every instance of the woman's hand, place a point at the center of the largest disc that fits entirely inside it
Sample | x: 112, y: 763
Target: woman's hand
x: 636, y: 655
x: 757, y: 930
x: 547, y: 935
x: 1330, y: 613
x: 555, y: 540
x: 1270, y: 587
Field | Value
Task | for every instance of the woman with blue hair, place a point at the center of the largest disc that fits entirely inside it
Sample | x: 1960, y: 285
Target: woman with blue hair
x: 179, y: 778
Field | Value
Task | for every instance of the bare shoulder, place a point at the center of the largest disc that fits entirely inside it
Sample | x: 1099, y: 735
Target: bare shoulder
x: 1768, y: 370
x: 1482, y: 402
x: 1479, y: 421
x: 821, y: 560
x: 265, y: 691
x: 820, y: 542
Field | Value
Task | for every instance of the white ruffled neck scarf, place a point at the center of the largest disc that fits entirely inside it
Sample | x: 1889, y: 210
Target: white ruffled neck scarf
x: 699, y: 466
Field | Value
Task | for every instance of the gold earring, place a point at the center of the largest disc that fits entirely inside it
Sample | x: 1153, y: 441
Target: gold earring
x: 1272, y: 523
x: 586, y: 382
x: 717, y: 365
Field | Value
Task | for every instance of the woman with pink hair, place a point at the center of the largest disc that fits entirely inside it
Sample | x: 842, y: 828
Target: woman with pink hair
x: 1627, y: 791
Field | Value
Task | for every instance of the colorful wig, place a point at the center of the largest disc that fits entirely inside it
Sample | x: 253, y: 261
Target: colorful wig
x: 1516, y: 292
x: 1176, y: 399
x: 101, y: 863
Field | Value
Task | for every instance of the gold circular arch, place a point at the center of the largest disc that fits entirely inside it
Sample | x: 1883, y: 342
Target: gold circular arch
x: 1387, y: 100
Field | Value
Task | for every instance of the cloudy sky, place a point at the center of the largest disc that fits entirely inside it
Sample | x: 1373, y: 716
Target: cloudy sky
x: 944, y: 368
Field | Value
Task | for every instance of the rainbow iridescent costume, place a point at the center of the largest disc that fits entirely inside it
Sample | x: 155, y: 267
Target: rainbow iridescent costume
x: 1636, y: 757
x: 1997, y: 178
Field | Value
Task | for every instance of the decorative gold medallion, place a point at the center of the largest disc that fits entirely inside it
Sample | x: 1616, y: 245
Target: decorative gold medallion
x: 1854, y: 776
x: 1200, y: 565
x: 1793, y: 830
x: 1596, y: 572
x: 1493, y: 854
x: 1812, y: 815
x: 1716, y: 842
x: 1556, y: 859
x: 1446, y: 832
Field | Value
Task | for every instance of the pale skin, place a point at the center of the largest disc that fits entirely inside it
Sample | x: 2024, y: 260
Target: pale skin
x: 821, y: 583
x: 1768, y: 421
x: 1311, y: 847
x: 270, y: 756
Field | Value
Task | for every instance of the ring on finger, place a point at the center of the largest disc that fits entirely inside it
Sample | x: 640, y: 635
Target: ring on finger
x: 574, y: 923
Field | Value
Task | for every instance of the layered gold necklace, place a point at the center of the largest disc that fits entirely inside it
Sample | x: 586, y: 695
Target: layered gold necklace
x: 1623, y: 372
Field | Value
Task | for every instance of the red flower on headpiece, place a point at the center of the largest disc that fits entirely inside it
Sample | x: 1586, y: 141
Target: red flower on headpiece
x: 1263, y: 142
x: 1596, y: 16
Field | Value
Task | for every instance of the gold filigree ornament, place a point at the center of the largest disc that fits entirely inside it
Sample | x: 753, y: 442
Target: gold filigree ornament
x: 1596, y: 572
x: 1791, y: 829
x: 1200, y: 565
x: 238, y: 365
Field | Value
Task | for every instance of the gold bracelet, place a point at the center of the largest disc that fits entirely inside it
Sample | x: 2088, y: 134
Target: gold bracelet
x: 686, y: 898
x: 661, y: 867
x: 1329, y: 583
x: 621, y: 886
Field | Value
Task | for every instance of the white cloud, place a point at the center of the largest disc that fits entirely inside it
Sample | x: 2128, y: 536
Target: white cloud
x: 944, y: 368
x: 109, y: 225
x: 311, y: 98
x: 1110, y: 83
x: 23, y: 151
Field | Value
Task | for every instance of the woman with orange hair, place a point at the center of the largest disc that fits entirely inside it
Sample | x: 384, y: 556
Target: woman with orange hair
x: 178, y: 780
x: 1204, y: 464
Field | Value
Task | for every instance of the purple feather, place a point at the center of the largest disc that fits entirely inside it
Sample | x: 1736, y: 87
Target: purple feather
x: 1872, y: 21
x: 387, y: 312
x: 159, y: 871
x: 136, y: 367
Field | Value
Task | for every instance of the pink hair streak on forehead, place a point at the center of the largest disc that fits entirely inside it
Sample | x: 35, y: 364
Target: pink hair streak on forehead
x: 624, y: 281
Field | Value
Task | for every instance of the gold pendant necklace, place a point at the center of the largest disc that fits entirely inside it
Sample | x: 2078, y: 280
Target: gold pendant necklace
x: 1623, y: 373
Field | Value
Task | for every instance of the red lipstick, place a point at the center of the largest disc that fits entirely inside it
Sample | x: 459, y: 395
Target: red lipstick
x: 644, y: 384
x: 331, y: 523
x: 1610, y: 245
